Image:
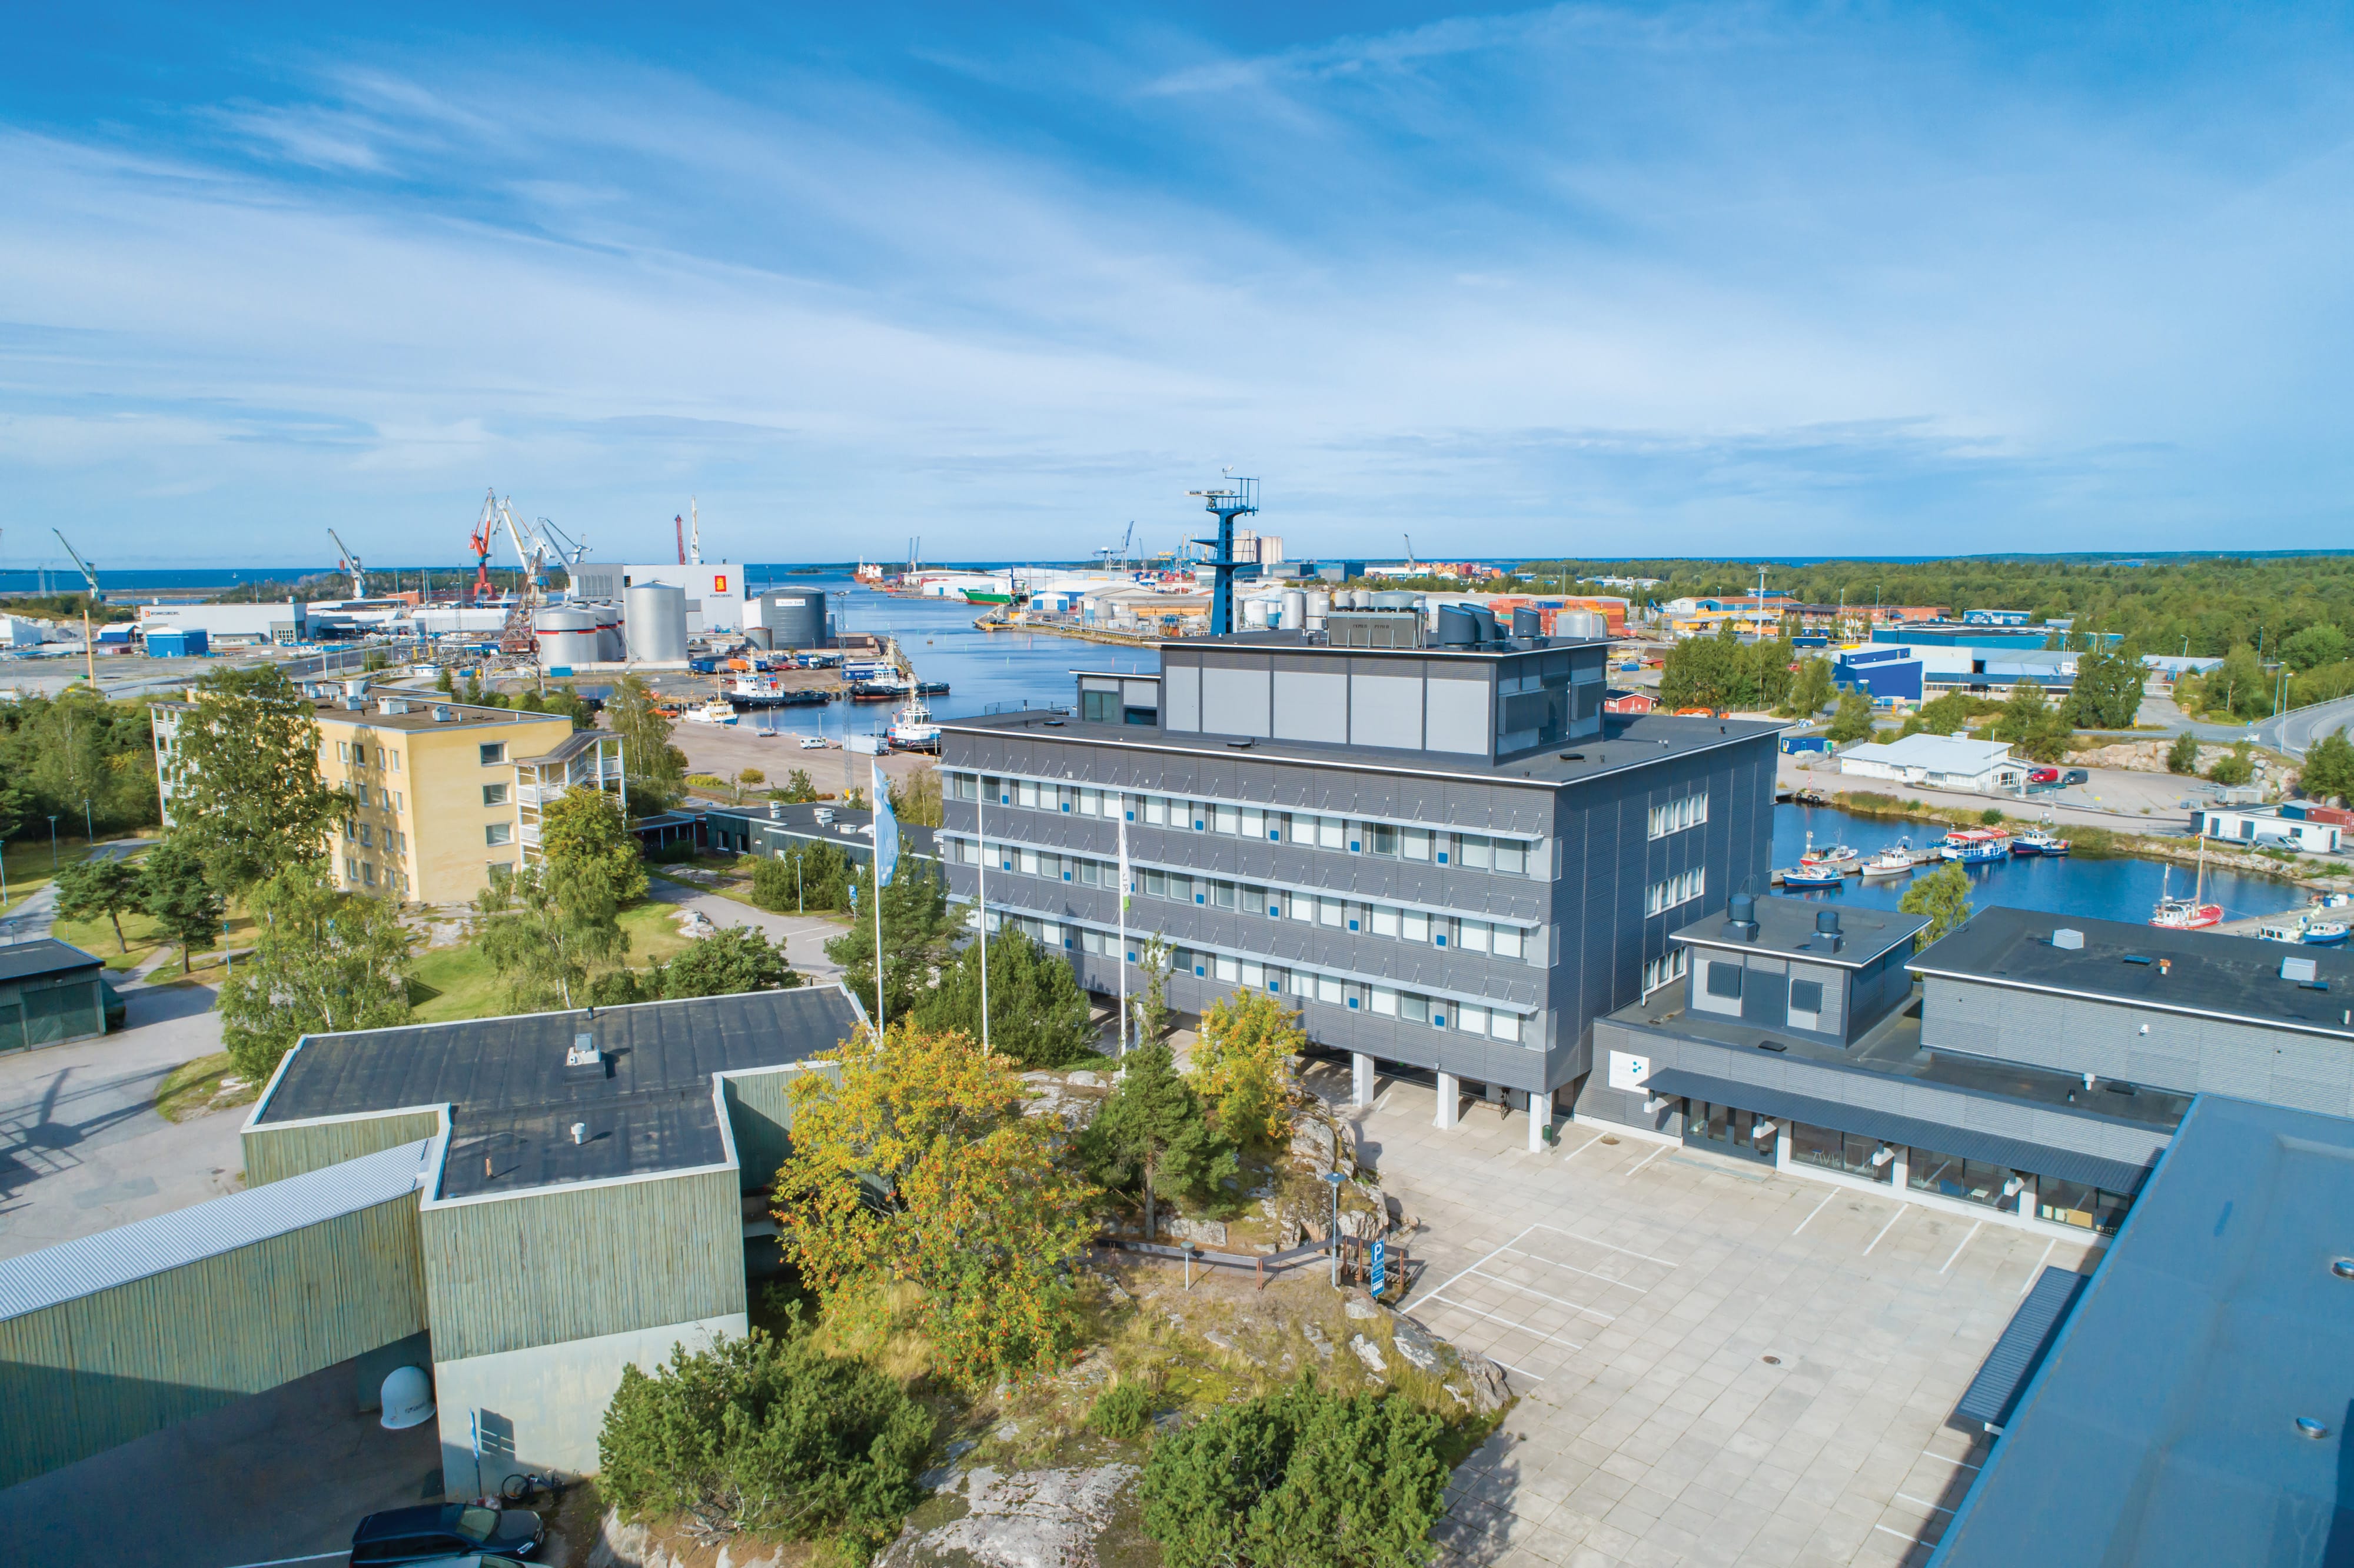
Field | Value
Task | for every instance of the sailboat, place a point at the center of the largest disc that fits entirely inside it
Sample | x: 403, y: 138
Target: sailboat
x: 2186, y: 913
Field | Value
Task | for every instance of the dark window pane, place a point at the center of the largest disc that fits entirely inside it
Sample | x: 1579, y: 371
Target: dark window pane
x: 1723, y: 979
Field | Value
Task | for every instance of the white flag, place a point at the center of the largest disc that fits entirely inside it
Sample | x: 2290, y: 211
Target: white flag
x: 1127, y: 882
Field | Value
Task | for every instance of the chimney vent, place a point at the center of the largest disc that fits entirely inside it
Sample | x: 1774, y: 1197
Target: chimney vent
x: 1741, y: 918
x: 584, y: 1053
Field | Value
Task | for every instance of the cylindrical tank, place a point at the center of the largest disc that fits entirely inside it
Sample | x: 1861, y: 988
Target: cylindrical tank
x: 1320, y: 606
x: 1458, y: 627
x: 759, y: 637
x: 795, y: 616
x: 656, y: 622
x: 1394, y: 599
x: 1255, y: 614
x: 1295, y: 608
x: 566, y: 637
x: 1585, y: 624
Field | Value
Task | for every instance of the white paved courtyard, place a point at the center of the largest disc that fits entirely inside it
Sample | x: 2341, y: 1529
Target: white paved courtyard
x: 1718, y: 1364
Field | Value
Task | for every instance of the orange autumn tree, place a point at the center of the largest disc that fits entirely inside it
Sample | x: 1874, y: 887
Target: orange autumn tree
x: 914, y: 1162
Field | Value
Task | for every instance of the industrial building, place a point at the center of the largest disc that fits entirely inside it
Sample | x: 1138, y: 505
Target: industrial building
x: 444, y: 796
x: 714, y: 596
x: 1442, y: 852
x: 1937, y: 762
x: 2269, y: 827
x: 227, y: 624
x: 2043, y: 1066
x: 523, y: 1205
x: 50, y: 993
x: 2186, y: 1405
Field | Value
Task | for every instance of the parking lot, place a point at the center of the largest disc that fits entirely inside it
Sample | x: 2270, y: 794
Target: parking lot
x: 1718, y: 1364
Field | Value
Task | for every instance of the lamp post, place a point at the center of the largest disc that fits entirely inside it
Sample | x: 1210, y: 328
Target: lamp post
x: 1332, y: 1179
x: 53, y: 844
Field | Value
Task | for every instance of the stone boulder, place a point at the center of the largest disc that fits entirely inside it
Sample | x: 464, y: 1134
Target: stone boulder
x: 1419, y: 1346
x: 1369, y: 1352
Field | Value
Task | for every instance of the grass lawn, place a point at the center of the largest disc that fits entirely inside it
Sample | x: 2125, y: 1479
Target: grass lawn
x: 456, y: 982
x: 97, y: 937
x: 194, y: 1089
x: 27, y: 863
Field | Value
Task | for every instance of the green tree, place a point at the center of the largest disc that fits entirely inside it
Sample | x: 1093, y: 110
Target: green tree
x: 799, y: 789
x: 1853, y: 720
x: 324, y: 962
x: 917, y: 931
x: 1702, y: 671
x: 1298, y: 1478
x: 2314, y: 647
x: 2239, y: 685
x: 444, y: 683
x: 247, y: 794
x: 917, y: 798
x: 566, y: 700
x: 1812, y: 691
x: 1947, y: 715
x: 728, y: 962
x: 2107, y: 693
x: 2183, y: 757
x: 174, y: 893
x: 1153, y: 1137
x: 2236, y: 768
x: 2328, y: 769
x: 101, y: 884
x: 1245, y: 1065
x: 1038, y: 1016
x: 656, y: 769
x: 1943, y: 895
x: 541, y: 933
x: 585, y: 840
x: 806, y: 876
x: 769, y: 1435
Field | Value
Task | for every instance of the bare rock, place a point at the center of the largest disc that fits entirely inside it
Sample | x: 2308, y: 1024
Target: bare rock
x: 1086, y: 1080
x: 1215, y: 1338
x: 1368, y: 1352
x: 1362, y: 1223
x: 1361, y: 1310
x: 1415, y: 1342
x: 1200, y: 1233
x: 1027, y: 1519
x: 1315, y: 1336
x: 1315, y: 1142
x: 1490, y: 1390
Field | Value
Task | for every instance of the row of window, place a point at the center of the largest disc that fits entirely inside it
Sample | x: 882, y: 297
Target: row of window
x: 1681, y: 888
x: 1725, y: 980
x: 1492, y: 937
x: 1677, y: 815
x: 355, y: 752
x: 394, y: 841
x: 1301, y: 985
x: 1666, y: 967
x: 1471, y: 851
x: 362, y: 873
x: 389, y: 800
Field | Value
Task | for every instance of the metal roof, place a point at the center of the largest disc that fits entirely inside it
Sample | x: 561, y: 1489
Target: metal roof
x: 35, y: 1280
x: 2016, y: 1154
x: 1939, y: 752
x: 2163, y: 1428
x: 43, y: 955
x: 1786, y: 926
x: 2003, y: 1376
x: 2202, y: 974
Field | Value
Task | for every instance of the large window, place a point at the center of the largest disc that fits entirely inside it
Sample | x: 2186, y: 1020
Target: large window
x: 1660, y: 970
x: 2075, y: 1204
x: 1728, y: 1130
x: 1677, y: 815
x: 1681, y: 888
x: 1971, y: 1181
x: 1865, y: 1157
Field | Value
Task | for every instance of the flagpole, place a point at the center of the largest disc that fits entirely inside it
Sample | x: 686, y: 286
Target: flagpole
x: 981, y: 901
x: 881, y: 806
x: 1121, y: 953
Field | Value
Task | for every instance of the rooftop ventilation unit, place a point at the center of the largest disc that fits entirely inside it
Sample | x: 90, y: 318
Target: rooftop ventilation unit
x: 584, y: 1053
x: 2068, y: 937
x: 1374, y: 627
x: 442, y: 713
x: 1741, y: 918
x: 393, y: 705
x: 1827, y: 929
x: 2299, y: 970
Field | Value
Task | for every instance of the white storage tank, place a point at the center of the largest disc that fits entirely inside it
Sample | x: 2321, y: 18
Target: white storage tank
x: 1581, y: 624
x: 1255, y: 614
x: 1295, y: 609
x: 1319, y: 607
x: 567, y: 638
x: 654, y: 617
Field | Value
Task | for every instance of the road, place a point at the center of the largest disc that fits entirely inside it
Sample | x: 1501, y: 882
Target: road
x: 2294, y: 731
x: 39, y: 912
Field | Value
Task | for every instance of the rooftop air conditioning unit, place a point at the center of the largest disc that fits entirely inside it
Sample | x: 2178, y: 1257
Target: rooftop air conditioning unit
x: 2299, y: 970
x: 393, y: 705
x: 2069, y: 939
x: 442, y: 713
x: 583, y: 1052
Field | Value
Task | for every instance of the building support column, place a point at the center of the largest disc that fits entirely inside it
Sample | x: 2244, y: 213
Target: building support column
x: 1540, y: 1119
x: 1450, y: 1101
x: 1361, y: 1080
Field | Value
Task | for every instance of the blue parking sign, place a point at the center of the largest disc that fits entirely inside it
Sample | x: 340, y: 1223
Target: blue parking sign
x: 1380, y: 1277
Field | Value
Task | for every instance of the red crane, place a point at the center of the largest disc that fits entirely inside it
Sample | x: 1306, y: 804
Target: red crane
x: 480, y: 540
x: 679, y: 525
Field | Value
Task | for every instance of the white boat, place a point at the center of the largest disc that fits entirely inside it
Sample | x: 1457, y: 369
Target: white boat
x: 2325, y: 933
x: 710, y: 712
x: 2279, y: 933
x: 1894, y: 861
x: 912, y: 728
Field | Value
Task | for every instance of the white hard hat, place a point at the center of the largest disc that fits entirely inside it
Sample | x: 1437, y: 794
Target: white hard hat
x: 408, y: 1398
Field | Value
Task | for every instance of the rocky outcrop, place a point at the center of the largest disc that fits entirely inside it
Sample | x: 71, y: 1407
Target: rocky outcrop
x: 1022, y: 1518
x: 624, y: 1545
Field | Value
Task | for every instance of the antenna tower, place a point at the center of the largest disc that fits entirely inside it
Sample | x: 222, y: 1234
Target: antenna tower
x: 1239, y: 501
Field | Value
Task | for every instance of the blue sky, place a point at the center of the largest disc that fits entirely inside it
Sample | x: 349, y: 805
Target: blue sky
x: 1591, y: 280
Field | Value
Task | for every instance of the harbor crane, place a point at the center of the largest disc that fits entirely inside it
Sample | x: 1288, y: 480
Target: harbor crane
x: 1409, y: 556
x: 351, y: 563
x: 88, y: 575
x: 485, y: 529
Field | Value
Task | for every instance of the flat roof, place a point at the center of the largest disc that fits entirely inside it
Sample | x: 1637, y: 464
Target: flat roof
x: 648, y: 1107
x: 2162, y: 1427
x: 419, y: 716
x: 2196, y: 973
x: 1786, y: 927
x: 1281, y: 641
x: 1632, y: 741
x: 44, y: 955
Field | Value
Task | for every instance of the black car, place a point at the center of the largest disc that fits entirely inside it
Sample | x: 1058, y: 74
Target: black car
x: 444, y: 1530
x: 2075, y: 775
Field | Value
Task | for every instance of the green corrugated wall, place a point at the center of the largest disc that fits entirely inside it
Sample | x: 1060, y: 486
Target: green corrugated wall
x: 274, y: 1153
x: 759, y: 1113
x: 86, y: 1374
x: 575, y: 1263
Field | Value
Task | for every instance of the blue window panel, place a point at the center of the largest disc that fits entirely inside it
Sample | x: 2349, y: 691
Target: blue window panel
x: 1352, y: 925
x: 1201, y: 970
x: 1442, y: 938
x: 1200, y: 826
x: 1275, y: 911
x: 1438, y: 1019
x: 1131, y: 814
x: 1353, y: 1004
x: 1070, y: 944
x: 1442, y: 858
x: 1274, y: 837
x: 1007, y: 866
x: 1131, y: 957
x: 1356, y: 848
x: 1275, y: 988
x: 1005, y: 800
x: 1067, y: 807
x: 1201, y: 898
x: 1066, y: 877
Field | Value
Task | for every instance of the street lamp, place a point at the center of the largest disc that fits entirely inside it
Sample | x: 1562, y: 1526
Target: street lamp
x: 53, y: 843
x: 1332, y: 1179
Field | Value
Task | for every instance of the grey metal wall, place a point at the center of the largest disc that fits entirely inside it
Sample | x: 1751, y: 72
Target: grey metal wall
x: 1594, y: 930
x: 86, y: 1374
x: 274, y: 1153
x: 760, y: 1115
x: 576, y: 1262
x: 2139, y: 1045
x: 2131, y: 1142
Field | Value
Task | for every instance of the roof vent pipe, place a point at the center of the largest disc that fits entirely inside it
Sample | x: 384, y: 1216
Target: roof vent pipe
x: 1827, y: 922
x: 1741, y: 918
x: 579, y: 1132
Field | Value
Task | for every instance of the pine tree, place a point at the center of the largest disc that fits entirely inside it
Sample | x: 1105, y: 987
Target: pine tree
x: 1152, y: 1135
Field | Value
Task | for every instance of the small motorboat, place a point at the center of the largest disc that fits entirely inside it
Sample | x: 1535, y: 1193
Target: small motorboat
x: 713, y: 712
x: 1975, y: 846
x: 1814, y: 874
x: 2036, y: 840
x: 2326, y: 933
x: 2276, y: 933
x: 1895, y: 861
x: 1830, y: 854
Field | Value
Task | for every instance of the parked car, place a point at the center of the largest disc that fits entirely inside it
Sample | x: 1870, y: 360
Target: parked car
x: 471, y: 1560
x: 2075, y: 775
x: 2043, y: 776
x: 438, y: 1531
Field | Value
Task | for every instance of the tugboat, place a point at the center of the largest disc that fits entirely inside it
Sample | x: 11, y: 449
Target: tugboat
x: 1975, y: 846
x: 912, y: 728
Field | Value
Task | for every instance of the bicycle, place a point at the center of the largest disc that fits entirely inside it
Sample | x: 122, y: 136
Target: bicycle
x: 521, y: 1488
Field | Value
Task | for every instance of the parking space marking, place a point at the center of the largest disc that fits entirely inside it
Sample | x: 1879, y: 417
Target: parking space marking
x: 1587, y: 1144
x: 1590, y: 1241
x: 1550, y: 1263
x: 1516, y: 1325
x: 1461, y: 1272
x: 1902, y: 1209
x: 2037, y: 1272
x: 1966, y: 1241
x: 1817, y: 1209
x: 1556, y: 1301
x: 1646, y: 1160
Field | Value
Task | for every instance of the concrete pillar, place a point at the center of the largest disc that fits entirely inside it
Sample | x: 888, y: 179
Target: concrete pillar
x: 1539, y: 1118
x: 1361, y: 1079
x: 1450, y: 1100
x: 1496, y: 1096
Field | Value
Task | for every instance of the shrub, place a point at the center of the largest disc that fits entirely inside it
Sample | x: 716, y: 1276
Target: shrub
x: 1991, y: 815
x: 2236, y: 768
x: 1121, y: 1410
x: 1298, y: 1478
x: 2183, y: 757
x: 765, y: 1435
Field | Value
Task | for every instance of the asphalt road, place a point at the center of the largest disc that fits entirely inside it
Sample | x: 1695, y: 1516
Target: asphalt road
x: 2294, y: 731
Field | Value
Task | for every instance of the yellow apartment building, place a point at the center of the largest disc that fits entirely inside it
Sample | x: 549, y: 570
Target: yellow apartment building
x: 444, y: 796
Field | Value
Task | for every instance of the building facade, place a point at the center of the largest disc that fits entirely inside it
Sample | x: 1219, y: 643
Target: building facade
x: 1937, y: 761
x: 443, y: 796
x: 1445, y: 858
x: 50, y: 993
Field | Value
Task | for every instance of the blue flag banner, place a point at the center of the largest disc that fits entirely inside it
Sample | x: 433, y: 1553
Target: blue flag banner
x: 887, y: 831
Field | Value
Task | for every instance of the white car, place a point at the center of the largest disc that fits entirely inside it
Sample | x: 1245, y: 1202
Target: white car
x: 814, y: 743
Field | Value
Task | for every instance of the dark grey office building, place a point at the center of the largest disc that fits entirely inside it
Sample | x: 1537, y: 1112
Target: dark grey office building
x: 1447, y: 857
